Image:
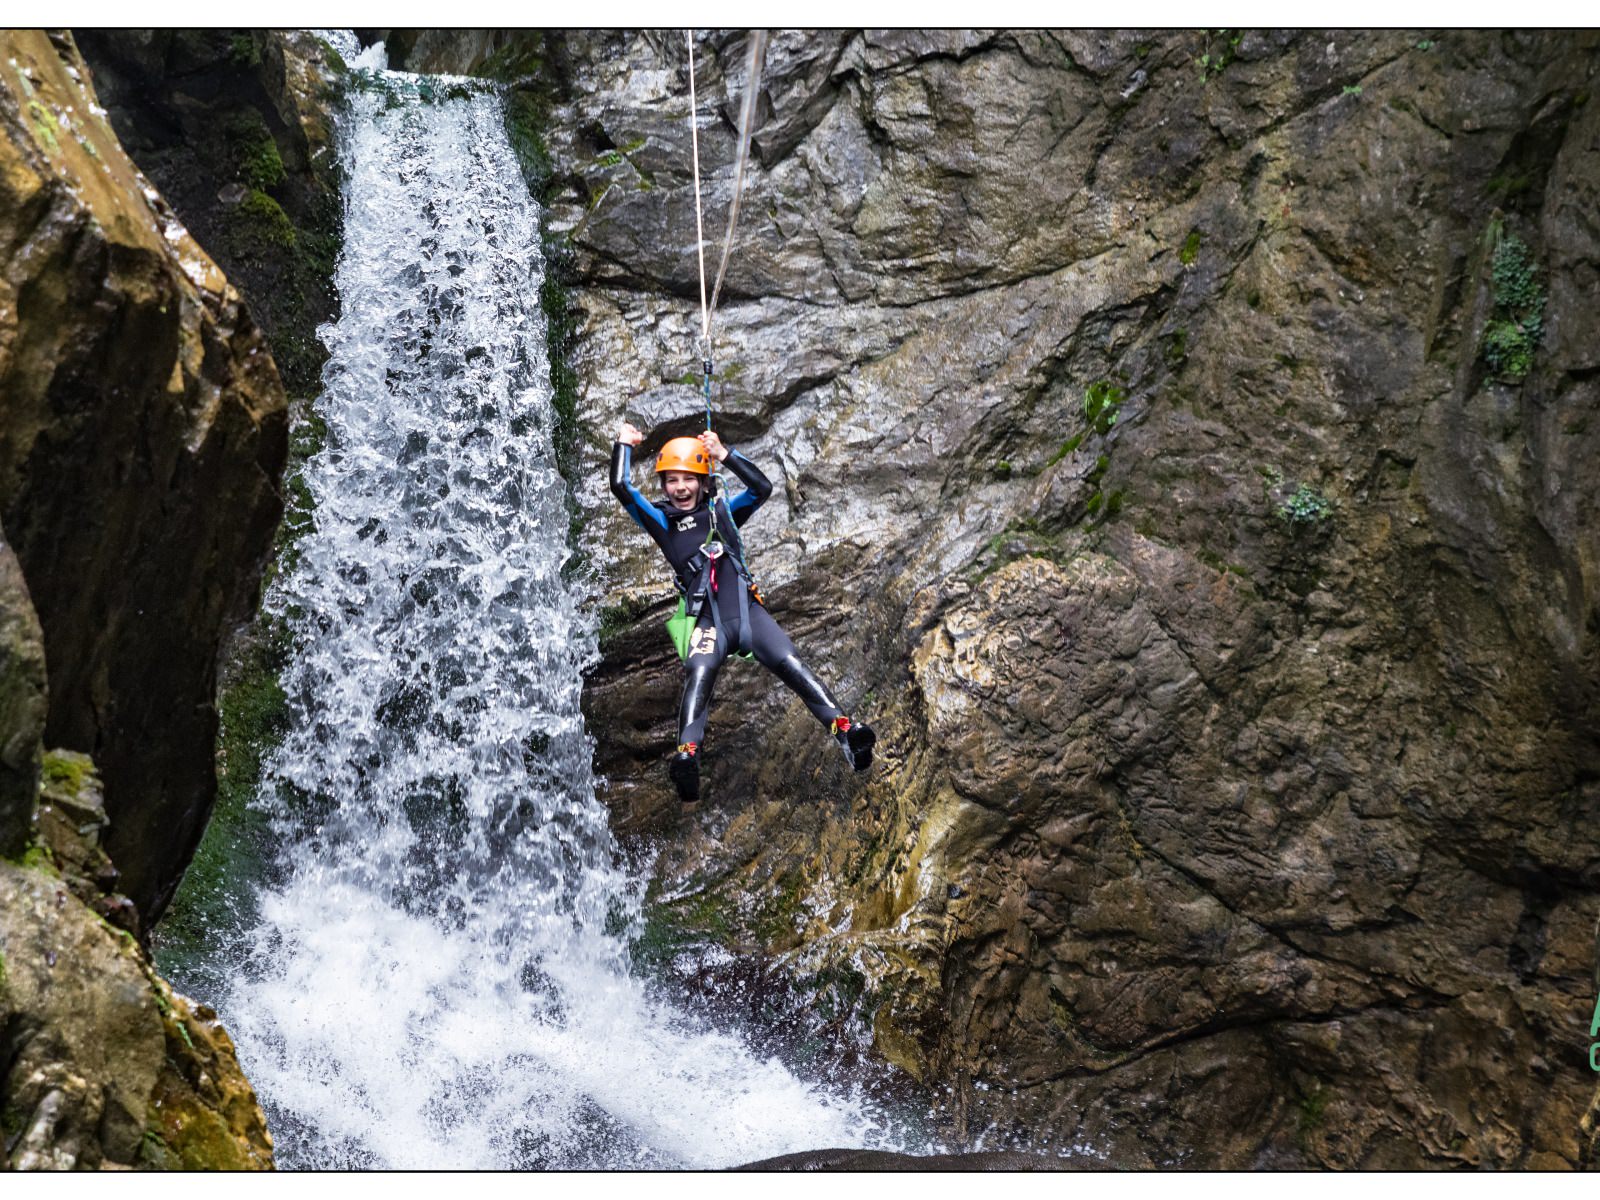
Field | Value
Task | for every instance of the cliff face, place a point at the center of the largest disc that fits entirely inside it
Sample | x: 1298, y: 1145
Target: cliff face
x: 104, y: 1065
x: 1185, y: 456
x: 22, y: 705
x: 142, y: 436
x: 234, y: 127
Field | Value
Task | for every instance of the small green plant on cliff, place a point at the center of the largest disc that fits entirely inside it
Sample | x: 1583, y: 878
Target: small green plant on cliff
x: 1102, y: 400
x: 1190, y: 251
x: 243, y: 52
x: 1305, y: 508
x: 1102, y: 404
x: 68, y: 771
x: 1221, y: 46
x: 1512, y: 334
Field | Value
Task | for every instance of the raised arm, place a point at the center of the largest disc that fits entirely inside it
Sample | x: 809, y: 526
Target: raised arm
x: 631, y: 498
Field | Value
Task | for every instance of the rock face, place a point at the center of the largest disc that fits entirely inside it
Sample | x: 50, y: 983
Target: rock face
x: 1156, y: 468
x: 106, y: 1066
x: 102, y: 1065
x: 22, y: 705
x: 883, y: 1161
x: 142, y: 436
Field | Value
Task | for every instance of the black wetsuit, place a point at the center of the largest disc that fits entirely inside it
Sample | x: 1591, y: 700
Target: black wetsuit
x: 681, y: 534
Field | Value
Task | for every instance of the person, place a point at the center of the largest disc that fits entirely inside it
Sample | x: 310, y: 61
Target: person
x: 699, y: 535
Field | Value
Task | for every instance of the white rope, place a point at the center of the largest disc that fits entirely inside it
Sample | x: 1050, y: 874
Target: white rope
x: 747, y: 120
x: 699, y: 227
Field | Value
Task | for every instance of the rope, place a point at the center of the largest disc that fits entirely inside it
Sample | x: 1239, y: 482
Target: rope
x: 747, y: 115
x: 747, y: 122
x: 699, y: 227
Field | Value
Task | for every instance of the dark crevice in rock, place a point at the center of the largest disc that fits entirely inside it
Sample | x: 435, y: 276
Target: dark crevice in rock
x: 1224, y: 1025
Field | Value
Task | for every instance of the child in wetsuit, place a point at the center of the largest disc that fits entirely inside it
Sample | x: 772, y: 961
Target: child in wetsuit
x: 715, y: 582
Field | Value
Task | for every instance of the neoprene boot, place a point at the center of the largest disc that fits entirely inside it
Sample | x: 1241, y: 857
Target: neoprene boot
x: 857, y: 741
x: 684, y: 770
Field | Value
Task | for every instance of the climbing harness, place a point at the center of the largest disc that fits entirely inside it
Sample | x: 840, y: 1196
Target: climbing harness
x: 704, y: 588
x: 700, y: 592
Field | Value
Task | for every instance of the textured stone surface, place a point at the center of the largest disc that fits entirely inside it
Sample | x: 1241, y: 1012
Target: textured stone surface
x: 234, y: 127
x: 1200, y: 834
x: 881, y: 1160
x: 104, y: 1066
x: 22, y: 704
x: 142, y: 435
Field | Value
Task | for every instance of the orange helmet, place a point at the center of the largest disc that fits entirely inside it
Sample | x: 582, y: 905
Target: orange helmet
x: 684, y: 454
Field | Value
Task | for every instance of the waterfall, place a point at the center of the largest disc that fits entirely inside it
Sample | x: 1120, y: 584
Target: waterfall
x: 438, y: 974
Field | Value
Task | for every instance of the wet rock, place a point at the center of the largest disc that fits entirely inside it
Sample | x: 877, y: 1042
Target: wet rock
x: 106, y: 1066
x: 22, y: 705
x: 882, y: 1160
x: 71, y: 818
x: 234, y: 127
x: 144, y: 434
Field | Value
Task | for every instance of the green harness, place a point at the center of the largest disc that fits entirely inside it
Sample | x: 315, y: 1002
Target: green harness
x: 680, y: 628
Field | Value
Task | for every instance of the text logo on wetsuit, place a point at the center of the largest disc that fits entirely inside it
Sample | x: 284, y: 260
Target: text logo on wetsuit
x: 705, y: 641
x: 687, y: 523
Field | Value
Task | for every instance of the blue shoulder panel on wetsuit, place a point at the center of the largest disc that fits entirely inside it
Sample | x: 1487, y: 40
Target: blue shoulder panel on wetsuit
x: 632, y: 499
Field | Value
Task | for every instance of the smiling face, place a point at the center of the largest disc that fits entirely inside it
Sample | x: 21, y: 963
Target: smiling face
x: 682, y: 488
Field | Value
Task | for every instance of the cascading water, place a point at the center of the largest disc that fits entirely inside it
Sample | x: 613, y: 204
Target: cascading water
x: 438, y: 975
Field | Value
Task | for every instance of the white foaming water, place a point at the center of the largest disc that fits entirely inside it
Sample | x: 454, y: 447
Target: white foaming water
x: 438, y: 977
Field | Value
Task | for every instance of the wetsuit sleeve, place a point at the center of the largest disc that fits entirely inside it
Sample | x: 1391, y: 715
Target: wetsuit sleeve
x: 757, y: 487
x: 630, y: 497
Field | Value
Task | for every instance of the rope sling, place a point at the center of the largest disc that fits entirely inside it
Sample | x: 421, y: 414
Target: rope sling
x: 713, y: 548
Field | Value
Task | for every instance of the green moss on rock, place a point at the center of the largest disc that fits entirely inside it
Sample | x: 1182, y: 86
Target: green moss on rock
x: 252, y: 150
x: 262, y: 224
x: 1190, y: 250
x: 253, y: 710
x: 66, y: 770
x: 667, y: 928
